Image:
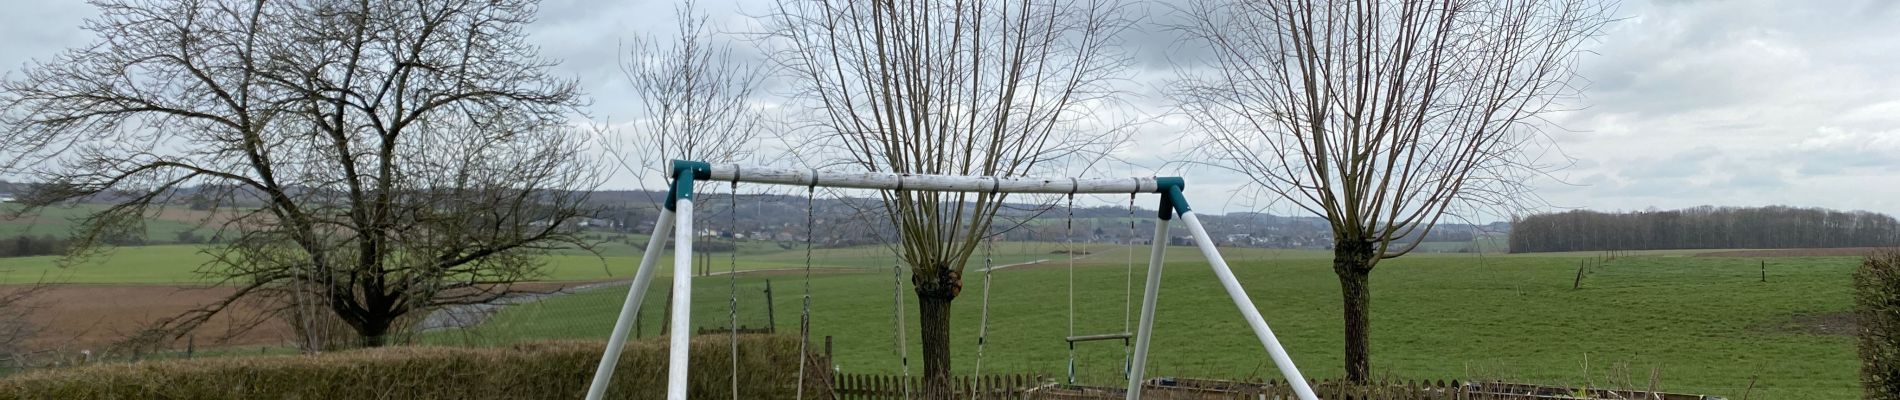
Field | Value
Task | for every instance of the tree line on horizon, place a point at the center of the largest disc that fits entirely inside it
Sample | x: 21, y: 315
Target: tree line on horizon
x: 1704, y: 227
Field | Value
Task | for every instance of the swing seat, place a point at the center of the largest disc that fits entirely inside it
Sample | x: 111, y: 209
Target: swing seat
x: 1105, y: 336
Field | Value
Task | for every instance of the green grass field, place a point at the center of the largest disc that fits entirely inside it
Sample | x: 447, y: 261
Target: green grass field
x: 1706, y: 324
x: 59, y: 221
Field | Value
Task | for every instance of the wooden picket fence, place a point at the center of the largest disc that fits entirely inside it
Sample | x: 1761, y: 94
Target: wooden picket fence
x: 882, y: 387
x: 1201, y: 389
x: 1195, y: 389
x: 1013, y: 387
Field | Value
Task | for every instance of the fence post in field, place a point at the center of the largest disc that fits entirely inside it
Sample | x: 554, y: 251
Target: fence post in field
x: 1764, y: 271
x: 1578, y: 284
x: 666, y: 318
x: 771, y: 317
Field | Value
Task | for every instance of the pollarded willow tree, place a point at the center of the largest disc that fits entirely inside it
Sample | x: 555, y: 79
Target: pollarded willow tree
x: 1384, y: 116
x: 367, y: 159
x: 960, y: 88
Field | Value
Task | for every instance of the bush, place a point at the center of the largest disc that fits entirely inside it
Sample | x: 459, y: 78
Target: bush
x: 1877, y: 309
x: 552, y: 370
x: 189, y: 237
x: 29, y: 246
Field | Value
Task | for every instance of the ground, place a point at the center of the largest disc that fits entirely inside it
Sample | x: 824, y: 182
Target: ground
x: 83, y: 317
x: 1705, y: 324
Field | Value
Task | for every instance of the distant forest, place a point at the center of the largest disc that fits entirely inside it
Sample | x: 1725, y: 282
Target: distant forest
x: 1703, y: 227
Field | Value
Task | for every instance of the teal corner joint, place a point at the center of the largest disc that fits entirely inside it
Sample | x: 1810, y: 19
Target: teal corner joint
x: 685, y: 172
x: 1172, y: 202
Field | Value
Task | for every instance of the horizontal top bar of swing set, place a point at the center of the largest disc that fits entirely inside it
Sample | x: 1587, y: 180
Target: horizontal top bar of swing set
x: 933, y: 183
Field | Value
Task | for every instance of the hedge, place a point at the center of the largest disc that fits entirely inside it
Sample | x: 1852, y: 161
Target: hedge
x: 768, y: 368
x: 1877, y: 310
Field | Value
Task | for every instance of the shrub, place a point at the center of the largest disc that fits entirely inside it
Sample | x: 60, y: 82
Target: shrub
x: 29, y: 246
x: 551, y: 370
x: 1877, y: 309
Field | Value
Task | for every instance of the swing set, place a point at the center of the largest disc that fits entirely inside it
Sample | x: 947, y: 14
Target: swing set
x: 677, y: 217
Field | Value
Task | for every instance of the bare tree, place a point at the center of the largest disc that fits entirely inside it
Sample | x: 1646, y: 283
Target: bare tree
x: 1382, y: 116
x: 372, y: 158
x: 961, y: 88
x: 696, y: 97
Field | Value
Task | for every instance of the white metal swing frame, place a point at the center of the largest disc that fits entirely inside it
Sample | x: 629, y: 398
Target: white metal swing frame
x: 677, y: 218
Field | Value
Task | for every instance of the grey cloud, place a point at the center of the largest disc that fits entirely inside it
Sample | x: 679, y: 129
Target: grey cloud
x: 1688, y: 102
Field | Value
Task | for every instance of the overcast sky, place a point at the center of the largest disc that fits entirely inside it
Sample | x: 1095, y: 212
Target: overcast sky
x: 1740, y: 103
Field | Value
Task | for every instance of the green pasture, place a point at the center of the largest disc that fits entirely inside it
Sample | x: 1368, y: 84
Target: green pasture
x: 1706, y: 325
x: 59, y: 221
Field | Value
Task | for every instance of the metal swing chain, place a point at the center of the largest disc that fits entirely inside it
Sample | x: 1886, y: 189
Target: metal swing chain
x: 983, y: 323
x: 1128, y: 290
x: 897, y: 300
x: 732, y: 284
x: 1069, y: 234
x: 804, y: 316
x: 897, y: 303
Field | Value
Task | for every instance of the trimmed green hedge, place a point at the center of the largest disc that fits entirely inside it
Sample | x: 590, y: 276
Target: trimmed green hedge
x: 1877, y: 310
x: 768, y: 368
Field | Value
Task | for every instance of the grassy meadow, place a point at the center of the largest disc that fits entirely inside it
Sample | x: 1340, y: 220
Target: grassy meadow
x: 59, y: 221
x: 1706, y: 325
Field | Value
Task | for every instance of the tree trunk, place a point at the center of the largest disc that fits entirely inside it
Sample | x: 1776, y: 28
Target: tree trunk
x: 372, y: 328
x: 933, y: 314
x: 375, y: 332
x: 1353, y: 264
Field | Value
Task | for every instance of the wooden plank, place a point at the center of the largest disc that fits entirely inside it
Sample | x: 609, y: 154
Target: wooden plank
x: 1104, y: 336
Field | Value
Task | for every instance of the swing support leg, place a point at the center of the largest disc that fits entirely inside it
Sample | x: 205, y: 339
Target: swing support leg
x: 1147, y: 325
x: 676, y: 217
x: 628, y: 310
x: 683, y: 307
x: 680, y: 200
x: 1247, y: 309
x: 1172, y: 202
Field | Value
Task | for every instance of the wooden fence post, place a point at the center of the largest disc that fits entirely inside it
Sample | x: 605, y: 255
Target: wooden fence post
x: 1578, y: 284
x: 771, y: 317
x: 666, y: 316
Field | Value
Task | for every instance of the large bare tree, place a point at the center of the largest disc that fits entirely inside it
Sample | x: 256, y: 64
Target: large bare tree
x: 960, y: 88
x: 370, y: 158
x: 1384, y: 116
